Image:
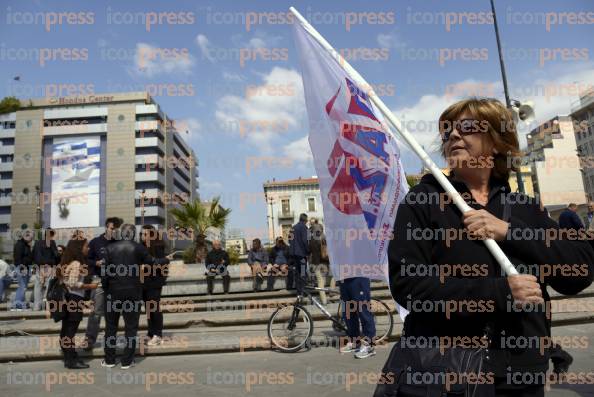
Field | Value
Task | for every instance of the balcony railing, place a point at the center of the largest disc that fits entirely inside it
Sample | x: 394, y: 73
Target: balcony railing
x: 285, y: 215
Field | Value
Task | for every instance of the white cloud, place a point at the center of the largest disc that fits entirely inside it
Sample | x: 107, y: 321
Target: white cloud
x: 299, y: 152
x: 232, y: 77
x: 205, y: 47
x: 552, y: 96
x: 391, y: 40
x: 192, y: 126
x: 150, y: 61
x: 257, y: 39
x: 267, y: 111
x: 209, y: 188
x: 420, y: 119
x: 257, y: 42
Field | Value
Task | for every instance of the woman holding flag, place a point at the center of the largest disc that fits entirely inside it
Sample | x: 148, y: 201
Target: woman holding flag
x: 454, y: 289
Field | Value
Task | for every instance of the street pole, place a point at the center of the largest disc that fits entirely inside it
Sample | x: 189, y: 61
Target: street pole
x: 505, y: 89
x: 38, y: 210
x: 142, y: 208
x: 271, y: 201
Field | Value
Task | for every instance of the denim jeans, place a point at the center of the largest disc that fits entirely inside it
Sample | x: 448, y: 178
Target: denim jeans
x: 40, y: 285
x: 23, y: 276
x: 4, y: 283
x: 94, y: 320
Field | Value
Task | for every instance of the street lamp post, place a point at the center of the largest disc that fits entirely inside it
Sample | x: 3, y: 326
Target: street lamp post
x: 142, y: 207
x: 505, y: 89
x: 38, y: 209
x: 176, y: 227
x: 270, y: 201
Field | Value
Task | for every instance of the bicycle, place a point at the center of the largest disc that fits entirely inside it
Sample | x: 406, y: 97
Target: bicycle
x: 290, y: 327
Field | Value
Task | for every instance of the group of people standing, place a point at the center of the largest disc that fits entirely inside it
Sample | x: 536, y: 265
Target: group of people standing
x: 116, y: 273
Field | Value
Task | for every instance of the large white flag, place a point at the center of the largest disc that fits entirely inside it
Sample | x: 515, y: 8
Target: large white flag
x: 357, y: 161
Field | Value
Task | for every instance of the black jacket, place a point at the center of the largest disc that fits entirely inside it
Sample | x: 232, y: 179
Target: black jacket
x: 418, y: 245
x: 570, y: 220
x: 274, y: 253
x: 121, y: 273
x: 218, y: 260
x: 22, y: 253
x: 44, y: 255
x: 158, y: 272
x: 299, y: 244
x: 97, y: 252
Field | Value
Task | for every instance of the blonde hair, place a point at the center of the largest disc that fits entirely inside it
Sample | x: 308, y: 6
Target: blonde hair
x: 501, y: 130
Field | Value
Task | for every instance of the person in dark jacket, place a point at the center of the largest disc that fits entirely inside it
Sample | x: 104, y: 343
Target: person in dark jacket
x: 257, y: 260
x: 316, y: 233
x: 23, y: 261
x: 153, y: 280
x: 96, y: 257
x: 279, y: 262
x: 217, y: 261
x: 123, y: 292
x: 299, y: 251
x: 45, y: 257
x: 569, y: 219
x: 436, y: 255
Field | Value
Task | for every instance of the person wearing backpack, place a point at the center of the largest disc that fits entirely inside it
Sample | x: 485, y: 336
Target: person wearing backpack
x: 71, y: 273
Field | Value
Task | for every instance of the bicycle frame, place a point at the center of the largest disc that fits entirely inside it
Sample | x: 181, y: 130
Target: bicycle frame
x: 322, y: 308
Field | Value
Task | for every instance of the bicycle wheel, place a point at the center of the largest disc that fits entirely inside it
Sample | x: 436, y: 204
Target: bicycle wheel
x: 339, y: 318
x: 290, y: 327
x: 382, y: 316
x: 384, y: 321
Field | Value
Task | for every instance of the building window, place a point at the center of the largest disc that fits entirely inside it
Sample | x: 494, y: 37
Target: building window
x: 285, y: 207
x: 311, y: 204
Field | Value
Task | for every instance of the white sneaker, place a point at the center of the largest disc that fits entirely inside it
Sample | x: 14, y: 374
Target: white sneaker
x: 349, y: 348
x: 127, y: 366
x: 155, y: 341
x: 365, y: 351
x: 106, y: 365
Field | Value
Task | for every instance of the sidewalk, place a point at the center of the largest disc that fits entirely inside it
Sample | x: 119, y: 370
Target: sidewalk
x: 321, y: 372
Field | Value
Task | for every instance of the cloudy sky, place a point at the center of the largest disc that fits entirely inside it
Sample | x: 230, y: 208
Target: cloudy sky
x: 227, y: 71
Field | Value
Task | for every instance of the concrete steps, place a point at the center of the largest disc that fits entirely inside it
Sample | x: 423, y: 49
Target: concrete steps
x: 199, y: 323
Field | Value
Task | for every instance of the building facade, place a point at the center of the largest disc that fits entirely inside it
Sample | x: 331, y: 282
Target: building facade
x: 286, y: 200
x: 238, y: 244
x: 235, y: 239
x: 583, y: 121
x: 526, y: 175
x: 72, y: 162
x: 552, y: 155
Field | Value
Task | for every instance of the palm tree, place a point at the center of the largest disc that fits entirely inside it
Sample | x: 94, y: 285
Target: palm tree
x: 412, y: 180
x: 198, y: 217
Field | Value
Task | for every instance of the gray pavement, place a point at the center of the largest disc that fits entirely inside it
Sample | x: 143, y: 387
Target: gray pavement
x: 321, y: 371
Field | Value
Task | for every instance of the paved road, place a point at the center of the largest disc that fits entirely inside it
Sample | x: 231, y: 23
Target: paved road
x: 321, y: 371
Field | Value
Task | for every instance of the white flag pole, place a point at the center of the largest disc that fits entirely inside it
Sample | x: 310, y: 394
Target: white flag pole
x: 492, y: 246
